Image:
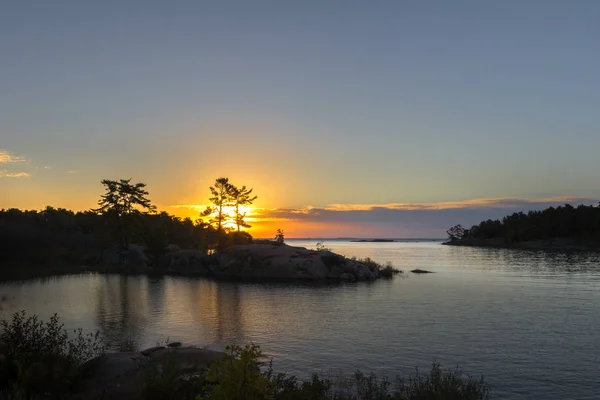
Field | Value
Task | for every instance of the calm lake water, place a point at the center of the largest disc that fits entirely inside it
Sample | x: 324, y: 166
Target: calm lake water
x: 528, y: 321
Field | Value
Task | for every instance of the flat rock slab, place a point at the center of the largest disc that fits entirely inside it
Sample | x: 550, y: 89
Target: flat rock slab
x: 120, y: 376
x: 187, y: 357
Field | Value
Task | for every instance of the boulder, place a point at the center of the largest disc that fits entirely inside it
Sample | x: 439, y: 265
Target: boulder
x: 119, y: 376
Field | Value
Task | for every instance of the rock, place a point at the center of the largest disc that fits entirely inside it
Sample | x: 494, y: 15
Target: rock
x: 188, y: 358
x: 421, y: 271
x: 174, y: 345
x: 263, y: 261
x: 347, y: 277
x: 113, y: 375
x: 119, y: 376
x: 151, y: 350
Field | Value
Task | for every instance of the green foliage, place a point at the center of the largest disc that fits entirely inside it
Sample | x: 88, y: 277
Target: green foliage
x: 238, y: 376
x: 166, y: 380
x: 41, y: 357
x: 279, y: 237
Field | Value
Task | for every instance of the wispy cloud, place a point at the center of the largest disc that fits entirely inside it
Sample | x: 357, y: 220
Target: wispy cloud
x: 506, y: 202
x: 72, y: 171
x: 6, y: 174
x: 7, y: 158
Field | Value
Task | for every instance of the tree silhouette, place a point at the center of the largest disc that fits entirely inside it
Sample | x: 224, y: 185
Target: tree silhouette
x: 220, y: 198
x: 279, y: 238
x: 456, y: 232
x: 123, y: 199
x: 240, y: 197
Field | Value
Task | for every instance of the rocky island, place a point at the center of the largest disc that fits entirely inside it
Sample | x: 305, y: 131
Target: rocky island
x: 248, y: 262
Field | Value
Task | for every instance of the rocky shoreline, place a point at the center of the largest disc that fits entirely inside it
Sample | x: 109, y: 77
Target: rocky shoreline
x: 243, y: 262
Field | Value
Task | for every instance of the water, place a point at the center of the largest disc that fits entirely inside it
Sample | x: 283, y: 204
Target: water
x: 529, y: 322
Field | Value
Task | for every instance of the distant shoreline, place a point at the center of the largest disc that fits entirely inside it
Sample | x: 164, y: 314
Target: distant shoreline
x: 558, y: 244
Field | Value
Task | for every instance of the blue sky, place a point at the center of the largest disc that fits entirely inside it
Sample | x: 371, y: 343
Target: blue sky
x: 311, y: 103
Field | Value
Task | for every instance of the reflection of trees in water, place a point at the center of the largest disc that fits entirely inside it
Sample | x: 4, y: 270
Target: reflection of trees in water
x: 537, y: 262
x: 121, y: 310
x: 217, y: 308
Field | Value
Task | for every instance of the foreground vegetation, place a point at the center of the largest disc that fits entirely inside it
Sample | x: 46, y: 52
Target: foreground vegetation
x: 580, y: 224
x: 38, y: 360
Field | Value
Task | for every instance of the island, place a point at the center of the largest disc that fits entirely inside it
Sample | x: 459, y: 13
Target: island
x: 563, y: 228
x: 249, y: 262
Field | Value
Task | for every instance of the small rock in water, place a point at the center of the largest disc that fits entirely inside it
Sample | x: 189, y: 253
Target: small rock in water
x: 421, y: 271
x: 174, y: 345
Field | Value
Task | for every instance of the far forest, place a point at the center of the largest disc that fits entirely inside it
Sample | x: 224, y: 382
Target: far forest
x: 581, y: 224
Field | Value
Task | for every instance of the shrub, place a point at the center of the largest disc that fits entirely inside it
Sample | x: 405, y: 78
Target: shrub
x: 386, y: 270
x: 321, y: 247
x: 166, y: 380
x: 40, y: 357
x: 238, y: 376
x: 450, y: 385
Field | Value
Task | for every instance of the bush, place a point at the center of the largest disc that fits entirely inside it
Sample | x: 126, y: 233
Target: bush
x: 238, y: 377
x: 39, y: 357
x: 386, y: 270
x: 321, y: 247
x: 450, y: 385
x: 166, y: 380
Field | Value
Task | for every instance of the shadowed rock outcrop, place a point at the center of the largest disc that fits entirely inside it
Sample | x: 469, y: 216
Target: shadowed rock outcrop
x: 264, y: 261
x: 119, y: 376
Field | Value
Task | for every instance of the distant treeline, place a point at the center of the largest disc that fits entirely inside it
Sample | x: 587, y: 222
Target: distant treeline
x: 581, y: 223
x: 125, y: 215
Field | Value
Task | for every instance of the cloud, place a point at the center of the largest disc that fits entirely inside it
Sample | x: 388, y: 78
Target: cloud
x: 425, y: 220
x: 507, y: 202
x: 8, y: 158
x: 410, y: 219
x: 72, y: 171
x: 6, y: 174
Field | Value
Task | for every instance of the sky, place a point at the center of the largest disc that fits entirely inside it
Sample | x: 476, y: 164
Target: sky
x: 347, y: 118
